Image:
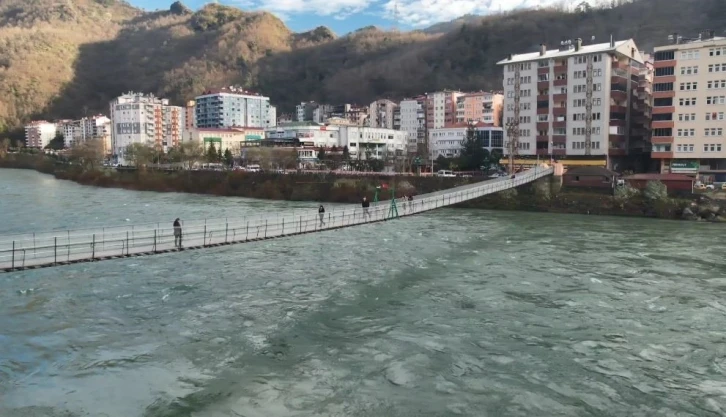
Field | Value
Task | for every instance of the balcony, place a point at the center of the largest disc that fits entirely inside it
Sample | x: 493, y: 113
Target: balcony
x: 621, y: 65
x: 560, y: 82
x: 559, y: 111
x: 543, y: 70
x: 562, y: 123
x: 619, y: 95
x: 663, y: 124
x: 616, y: 138
x: 542, y: 151
x: 664, y: 110
x: 664, y: 79
x: 559, y: 139
x: 543, y: 84
x: 617, y: 152
x: 618, y: 109
x: 560, y: 68
x: 544, y: 139
x: 559, y: 97
x: 559, y: 152
x: 543, y: 126
x: 661, y: 155
x: 662, y: 140
x: 664, y: 94
x: 543, y: 97
x: 543, y: 110
x: 664, y: 64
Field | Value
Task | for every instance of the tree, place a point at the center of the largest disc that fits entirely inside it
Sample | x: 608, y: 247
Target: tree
x: 442, y: 162
x: 346, y: 154
x: 190, y: 153
x: 321, y: 154
x: 4, y: 146
x: 495, y: 156
x: 88, y: 154
x: 211, y: 153
x: 228, y: 158
x: 57, y: 143
x: 220, y: 156
x: 473, y: 154
x: 140, y: 154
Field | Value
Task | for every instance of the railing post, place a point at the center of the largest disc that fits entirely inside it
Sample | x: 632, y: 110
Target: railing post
x: 204, y: 237
x: 154, y: 240
x: 226, y: 230
x: 55, y: 249
x: 301, y: 229
x: 265, y: 228
x: 93, y: 247
x: 247, y: 233
x: 12, y: 257
x: 283, y: 226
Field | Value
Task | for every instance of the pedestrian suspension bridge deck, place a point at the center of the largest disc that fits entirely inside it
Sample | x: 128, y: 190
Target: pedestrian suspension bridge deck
x: 38, y: 250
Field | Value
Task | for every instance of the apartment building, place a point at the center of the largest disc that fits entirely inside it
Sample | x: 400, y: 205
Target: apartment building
x: 372, y: 143
x: 145, y: 119
x: 232, y: 107
x: 689, y: 106
x: 305, y: 134
x: 479, y: 107
x: 448, y: 141
x: 413, y: 122
x: 77, y: 131
x: 578, y: 102
x: 38, y: 134
x: 233, y: 139
x: 441, y: 108
x: 381, y: 113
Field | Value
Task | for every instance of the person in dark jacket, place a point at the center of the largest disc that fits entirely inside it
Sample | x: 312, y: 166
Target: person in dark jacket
x: 177, y: 233
x: 365, y: 204
x: 321, y: 213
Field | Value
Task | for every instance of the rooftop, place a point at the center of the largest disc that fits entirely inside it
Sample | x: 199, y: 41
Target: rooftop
x: 561, y: 53
x: 591, y: 170
x: 660, y: 177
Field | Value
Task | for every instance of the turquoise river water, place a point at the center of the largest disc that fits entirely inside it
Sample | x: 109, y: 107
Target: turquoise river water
x: 451, y: 313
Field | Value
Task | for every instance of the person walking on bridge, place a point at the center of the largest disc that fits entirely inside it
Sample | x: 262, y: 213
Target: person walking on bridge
x: 366, y: 204
x: 177, y: 233
x: 321, y: 213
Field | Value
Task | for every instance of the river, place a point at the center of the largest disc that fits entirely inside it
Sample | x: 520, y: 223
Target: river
x: 451, y: 313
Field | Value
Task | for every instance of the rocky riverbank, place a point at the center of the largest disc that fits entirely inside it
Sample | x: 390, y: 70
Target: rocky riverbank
x: 544, y: 195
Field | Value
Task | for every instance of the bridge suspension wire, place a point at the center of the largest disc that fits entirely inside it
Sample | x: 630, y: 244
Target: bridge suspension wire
x: 55, y: 248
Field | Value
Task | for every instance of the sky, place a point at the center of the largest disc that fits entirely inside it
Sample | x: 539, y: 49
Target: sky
x: 343, y: 16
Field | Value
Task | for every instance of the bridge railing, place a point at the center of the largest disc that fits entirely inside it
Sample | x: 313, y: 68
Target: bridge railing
x: 20, y: 251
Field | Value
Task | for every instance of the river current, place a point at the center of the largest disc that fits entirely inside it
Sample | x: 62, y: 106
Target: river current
x: 451, y: 313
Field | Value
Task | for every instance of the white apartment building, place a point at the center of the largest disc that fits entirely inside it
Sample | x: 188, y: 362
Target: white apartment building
x: 145, y: 119
x: 306, y: 134
x: 380, y: 113
x: 38, y: 134
x: 448, y: 141
x: 413, y: 122
x: 271, y: 116
x: 575, y: 100
x: 376, y: 143
x: 441, y: 108
x: 689, y: 106
x: 76, y: 131
x: 233, y: 107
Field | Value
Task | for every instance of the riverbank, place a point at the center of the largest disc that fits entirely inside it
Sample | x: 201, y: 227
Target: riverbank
x: 545, y: 195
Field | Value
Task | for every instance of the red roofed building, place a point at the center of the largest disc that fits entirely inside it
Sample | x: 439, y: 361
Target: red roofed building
x: 674, y: 182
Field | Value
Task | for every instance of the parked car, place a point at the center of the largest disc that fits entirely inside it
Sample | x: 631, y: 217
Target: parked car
x: 445, y: 173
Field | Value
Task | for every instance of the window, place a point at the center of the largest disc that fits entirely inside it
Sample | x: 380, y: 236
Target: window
x: 713, y: 131
x: 717, y: 51
x: 559, y: 131
x: 684, y: 133
x: 687, y: 117
x: 664, y: 56
x: 663, y: 102
x: 543, y: 77
x: 664, y: 72
x: 716, y: 84
x: 693, y: 54
x: 597, y: 72
x: 580, y: 88
x: 714, y: 116
x: 717, y: 67
x: 716, y: 100
x: 689, y: 86
x: 580, y: 74
x: 597, y: 87
x: 687, y: 101
x: 665, y: 132
x: 525, y: 80
x: 689, y: 70
x: 543, y: 63
x: 663, y: 87
x: 523, y: 146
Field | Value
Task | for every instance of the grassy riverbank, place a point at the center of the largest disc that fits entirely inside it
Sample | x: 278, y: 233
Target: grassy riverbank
x: 545, y: 195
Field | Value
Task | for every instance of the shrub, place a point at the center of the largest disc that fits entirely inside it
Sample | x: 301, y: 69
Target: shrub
x: 626, y: 193
x: 656, y: 191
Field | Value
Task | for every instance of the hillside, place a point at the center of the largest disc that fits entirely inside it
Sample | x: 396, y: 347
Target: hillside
x: 67, y: 58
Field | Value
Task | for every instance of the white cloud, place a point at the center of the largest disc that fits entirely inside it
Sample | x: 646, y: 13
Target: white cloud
x: 340, y: 9
x: 411, y: 13
x: 419, y: 13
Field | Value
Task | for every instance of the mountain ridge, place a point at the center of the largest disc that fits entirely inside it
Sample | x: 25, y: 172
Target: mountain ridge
x: 69, y: 58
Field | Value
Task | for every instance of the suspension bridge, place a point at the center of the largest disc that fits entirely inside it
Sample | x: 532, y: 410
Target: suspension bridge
x: 55, y: 248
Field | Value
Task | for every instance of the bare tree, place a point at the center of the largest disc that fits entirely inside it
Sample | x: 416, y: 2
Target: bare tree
x: 140, y: 154
x: 88, y: 154
x: 4, y: 146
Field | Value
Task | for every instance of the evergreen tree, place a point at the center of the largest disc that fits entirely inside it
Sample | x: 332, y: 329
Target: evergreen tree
x: 228, y: 158
x: 211, y: 153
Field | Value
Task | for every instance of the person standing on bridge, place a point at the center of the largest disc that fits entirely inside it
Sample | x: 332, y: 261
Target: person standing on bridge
x: 321, y: 213
x: 177, y: 233
x: 366, y: 204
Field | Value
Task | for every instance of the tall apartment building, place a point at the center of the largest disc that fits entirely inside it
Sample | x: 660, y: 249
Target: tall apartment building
x: 139, y: 118
x: 304, y: 111
x: 232, y: 107
x: 413, y: 122
x: 479, y: 107
x: 441, y: 108
x: 689, y: 106
x: 38, y: 134
x: 94, y: 127
x: 381, y: 113
x: 579, y: 101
